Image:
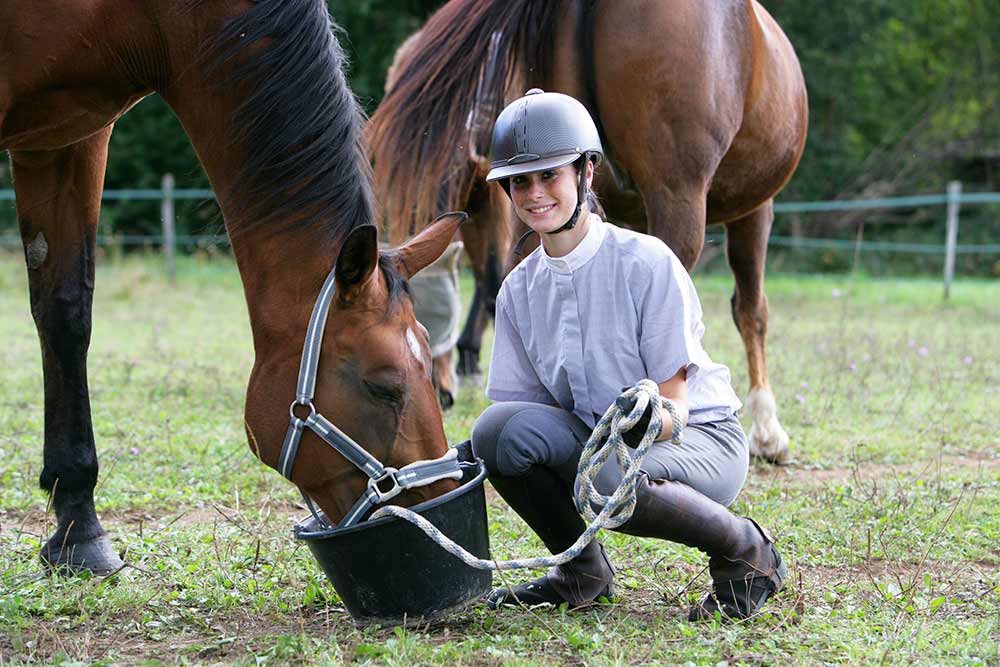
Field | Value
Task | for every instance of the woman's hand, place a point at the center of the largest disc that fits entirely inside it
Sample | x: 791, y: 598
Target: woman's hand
x: 674, y: 389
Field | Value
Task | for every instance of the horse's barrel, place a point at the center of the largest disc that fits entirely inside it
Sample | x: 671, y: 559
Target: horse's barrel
x: 388, y: 572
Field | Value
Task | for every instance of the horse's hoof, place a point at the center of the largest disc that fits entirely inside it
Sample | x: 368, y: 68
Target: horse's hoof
x: 470, y: 370
x: 95, y: 556
x: 770, y: 444
x: 468, y: 363
x: 768, y: 440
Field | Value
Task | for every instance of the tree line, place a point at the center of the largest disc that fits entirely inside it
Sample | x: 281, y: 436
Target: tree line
x: 902, y: 98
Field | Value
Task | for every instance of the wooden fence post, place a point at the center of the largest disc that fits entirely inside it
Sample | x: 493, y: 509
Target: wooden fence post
x: 951, y: 238
x: 169, y: 228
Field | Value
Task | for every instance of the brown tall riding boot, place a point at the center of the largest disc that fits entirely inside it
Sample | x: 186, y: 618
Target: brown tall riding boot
x: 543, y: 501
x: 746, y: 569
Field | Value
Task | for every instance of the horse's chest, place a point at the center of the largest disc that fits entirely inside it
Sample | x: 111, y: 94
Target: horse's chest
x: 57, y: 117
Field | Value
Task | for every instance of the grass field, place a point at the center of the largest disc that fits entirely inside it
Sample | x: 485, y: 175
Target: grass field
x: 889, y: 518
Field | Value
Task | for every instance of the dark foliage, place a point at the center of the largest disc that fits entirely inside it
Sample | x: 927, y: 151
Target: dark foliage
x: 902, y: 99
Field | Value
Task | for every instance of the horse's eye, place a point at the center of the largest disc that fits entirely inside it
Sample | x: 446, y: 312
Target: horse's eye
x: 385, y: 393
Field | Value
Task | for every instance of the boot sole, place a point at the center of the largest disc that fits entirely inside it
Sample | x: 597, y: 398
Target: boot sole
x: 533, y: 600
x: 701, y: 613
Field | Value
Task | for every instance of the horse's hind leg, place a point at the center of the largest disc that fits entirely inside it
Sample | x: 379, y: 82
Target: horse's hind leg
x: 470, y: 340
x: 487, y: 240
x: 746, y: 245
x: 58, y: 204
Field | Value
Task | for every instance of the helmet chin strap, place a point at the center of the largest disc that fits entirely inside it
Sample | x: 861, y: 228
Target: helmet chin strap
x: 581, y: 196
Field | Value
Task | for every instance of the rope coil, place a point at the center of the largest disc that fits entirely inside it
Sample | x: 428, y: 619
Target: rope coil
x: 616, y: 509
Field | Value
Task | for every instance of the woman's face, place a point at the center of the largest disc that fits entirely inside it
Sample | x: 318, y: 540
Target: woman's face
x: 545, y: 200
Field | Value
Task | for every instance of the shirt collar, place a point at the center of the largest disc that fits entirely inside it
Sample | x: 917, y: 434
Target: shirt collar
x: 583, y: 252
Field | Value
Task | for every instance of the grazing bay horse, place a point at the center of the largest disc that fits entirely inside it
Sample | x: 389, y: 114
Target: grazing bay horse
x: 701, y: 105
x: 259, y: 89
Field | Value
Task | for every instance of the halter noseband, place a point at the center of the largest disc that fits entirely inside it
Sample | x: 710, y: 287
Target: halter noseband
x: 384, y: 482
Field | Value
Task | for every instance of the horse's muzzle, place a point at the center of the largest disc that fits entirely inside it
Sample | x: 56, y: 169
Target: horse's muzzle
x: 388, y: 572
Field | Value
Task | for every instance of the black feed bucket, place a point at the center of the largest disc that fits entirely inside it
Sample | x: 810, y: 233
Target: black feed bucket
x: 388, y: 571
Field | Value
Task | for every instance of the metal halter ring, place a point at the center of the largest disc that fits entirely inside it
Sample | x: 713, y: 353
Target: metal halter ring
x: 380, y: 495
x: 304, y: 402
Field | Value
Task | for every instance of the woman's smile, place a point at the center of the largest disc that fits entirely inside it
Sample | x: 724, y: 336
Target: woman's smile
x: 546, y: 199
x: 540, y: 210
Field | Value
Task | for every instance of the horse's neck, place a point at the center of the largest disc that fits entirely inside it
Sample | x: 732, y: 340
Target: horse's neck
x: 282, y: 272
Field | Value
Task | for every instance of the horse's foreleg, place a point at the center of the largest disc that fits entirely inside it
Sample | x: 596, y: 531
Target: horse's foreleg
x: 746, y: 244
x: 58, y: 205
x: 485, y: 250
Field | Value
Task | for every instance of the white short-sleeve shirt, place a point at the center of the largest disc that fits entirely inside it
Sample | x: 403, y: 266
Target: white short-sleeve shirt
x: 575, y: 330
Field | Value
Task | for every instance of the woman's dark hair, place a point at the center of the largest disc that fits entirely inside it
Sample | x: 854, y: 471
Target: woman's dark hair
x: 593, y: 202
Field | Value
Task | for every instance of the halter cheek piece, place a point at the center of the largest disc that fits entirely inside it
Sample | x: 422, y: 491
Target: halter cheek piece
x: 384, y: 482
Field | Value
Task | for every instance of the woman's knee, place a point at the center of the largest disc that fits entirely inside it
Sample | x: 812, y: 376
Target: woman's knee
x: 503, y: 438
x: 511, y: 438
x: 486, y: 434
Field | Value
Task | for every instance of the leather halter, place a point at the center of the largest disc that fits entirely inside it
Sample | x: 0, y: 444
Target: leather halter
x: 384, y: 482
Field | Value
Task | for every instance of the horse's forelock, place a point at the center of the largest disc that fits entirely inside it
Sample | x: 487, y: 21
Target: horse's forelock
x: 397, y: 286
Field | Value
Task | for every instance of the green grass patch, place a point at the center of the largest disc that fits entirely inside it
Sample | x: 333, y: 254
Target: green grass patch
x: 888, y: 517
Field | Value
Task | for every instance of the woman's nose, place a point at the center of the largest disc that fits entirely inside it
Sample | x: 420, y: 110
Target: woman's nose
x: 535, y: 189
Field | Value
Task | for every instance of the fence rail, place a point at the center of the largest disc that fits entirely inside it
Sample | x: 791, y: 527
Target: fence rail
x: 952, y: 199
x: 912, y: 201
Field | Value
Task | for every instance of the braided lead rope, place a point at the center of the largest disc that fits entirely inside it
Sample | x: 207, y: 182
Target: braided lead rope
x: 622, y: 415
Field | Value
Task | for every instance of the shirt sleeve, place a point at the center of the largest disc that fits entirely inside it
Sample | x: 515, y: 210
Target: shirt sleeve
x: 670, y: 326
x: 512, y: 377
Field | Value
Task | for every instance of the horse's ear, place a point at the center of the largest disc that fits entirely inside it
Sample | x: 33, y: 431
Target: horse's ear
x: 428, y: 245
x: 358, y: 258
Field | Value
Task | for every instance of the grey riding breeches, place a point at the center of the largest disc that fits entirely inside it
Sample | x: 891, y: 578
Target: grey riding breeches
x: 713, y: 458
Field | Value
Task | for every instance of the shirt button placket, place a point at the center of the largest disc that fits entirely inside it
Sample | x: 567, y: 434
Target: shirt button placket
x: 572, y: 342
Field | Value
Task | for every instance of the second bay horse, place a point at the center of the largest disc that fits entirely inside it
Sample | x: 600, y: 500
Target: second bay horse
x: 701, y: 105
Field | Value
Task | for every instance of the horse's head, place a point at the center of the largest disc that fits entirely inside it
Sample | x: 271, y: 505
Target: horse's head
x: 374, y: 376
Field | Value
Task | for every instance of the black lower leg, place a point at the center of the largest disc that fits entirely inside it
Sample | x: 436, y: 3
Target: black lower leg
x: 58, y: 208
x: 70, y: 471
x: 546, y: 504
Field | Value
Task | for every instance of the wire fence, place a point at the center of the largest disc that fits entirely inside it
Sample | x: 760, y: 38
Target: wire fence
x: 953, y: 199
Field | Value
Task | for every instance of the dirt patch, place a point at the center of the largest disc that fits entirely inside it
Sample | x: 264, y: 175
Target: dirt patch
x: 38, y: 523
x: 768, y: 474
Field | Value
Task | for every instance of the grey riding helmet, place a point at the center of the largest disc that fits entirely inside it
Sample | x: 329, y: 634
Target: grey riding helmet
x: 544, y: 131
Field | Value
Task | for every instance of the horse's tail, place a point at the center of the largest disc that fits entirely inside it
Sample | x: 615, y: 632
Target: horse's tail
x: 425, y: 131
x: 585, y: 44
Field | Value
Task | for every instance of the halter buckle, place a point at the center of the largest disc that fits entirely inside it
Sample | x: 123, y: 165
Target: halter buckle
x: 375, y: 486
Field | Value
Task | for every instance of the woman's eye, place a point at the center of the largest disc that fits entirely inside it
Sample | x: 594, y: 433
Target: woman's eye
x: 548, y: 175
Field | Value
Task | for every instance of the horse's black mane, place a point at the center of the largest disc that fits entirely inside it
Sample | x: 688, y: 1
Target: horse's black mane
x: 298, y: 129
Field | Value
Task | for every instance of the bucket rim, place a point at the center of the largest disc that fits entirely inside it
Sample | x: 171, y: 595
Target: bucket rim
x: 303, y: 533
